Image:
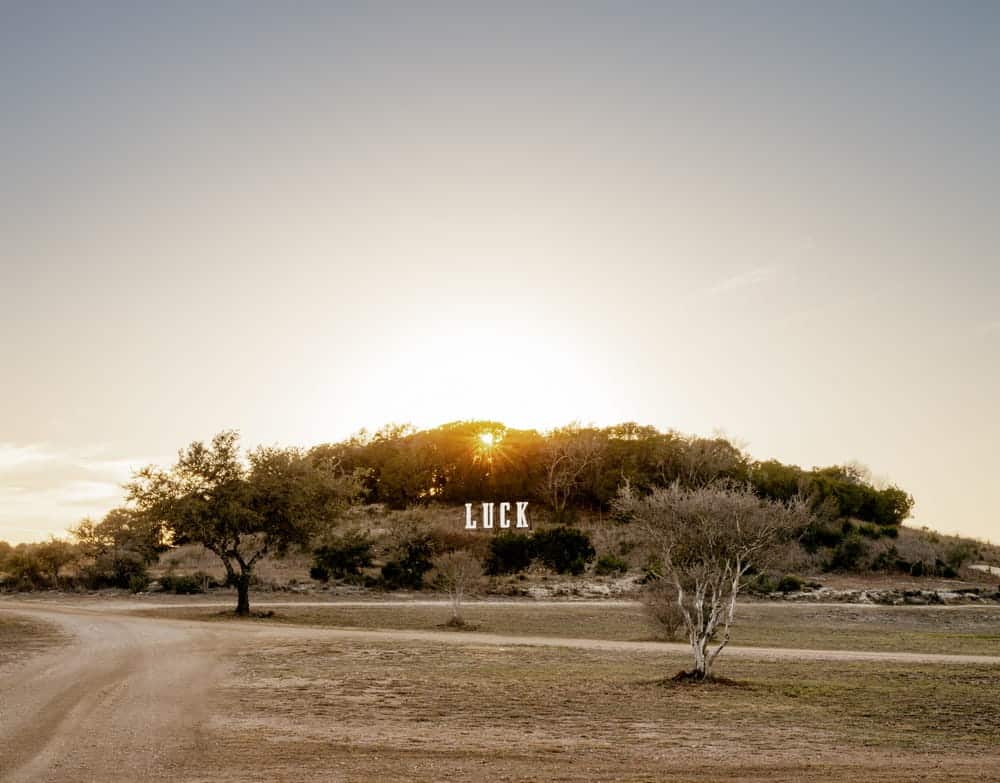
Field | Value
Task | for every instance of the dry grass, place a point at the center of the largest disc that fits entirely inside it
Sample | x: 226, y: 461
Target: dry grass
x: 952, y: 630
x: 358, y: 711
x: 191, y: 558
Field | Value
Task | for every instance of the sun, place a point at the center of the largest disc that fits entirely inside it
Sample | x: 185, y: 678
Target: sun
x: 487, y: 439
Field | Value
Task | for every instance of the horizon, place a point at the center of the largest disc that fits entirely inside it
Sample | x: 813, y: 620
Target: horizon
x: 778, y: 223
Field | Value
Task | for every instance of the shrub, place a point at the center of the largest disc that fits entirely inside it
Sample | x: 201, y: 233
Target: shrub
x: 610, y: 564
x: 790, y: 583
x: 457, y: 572
x: 342, y: 557
x: 412, y: 560
x: 181, y: 585
x: 138, y: 583
x: 660, y: 601
x: 818, y: 534
x: 563, y: 549
x: 847, y: 556
x: 509, y: 553
x: 114, y: 569
x: 761, y: 584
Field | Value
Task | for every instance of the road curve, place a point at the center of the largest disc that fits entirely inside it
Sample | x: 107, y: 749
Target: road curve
x: 123, y: 701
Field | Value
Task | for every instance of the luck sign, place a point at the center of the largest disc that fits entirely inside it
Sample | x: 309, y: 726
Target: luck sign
x: 487, y: 515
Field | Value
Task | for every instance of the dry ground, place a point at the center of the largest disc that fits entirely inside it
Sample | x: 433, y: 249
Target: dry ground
x: 185, y: 700
x: 21, y: 638
x: 967, y: 630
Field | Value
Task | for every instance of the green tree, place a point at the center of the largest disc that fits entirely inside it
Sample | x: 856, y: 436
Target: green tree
x: 242, y: 509
x: 54, y: 555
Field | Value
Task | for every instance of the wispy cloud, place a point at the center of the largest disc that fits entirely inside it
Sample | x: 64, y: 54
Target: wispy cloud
x: 44, y: 489
x: 747, y: 279
x: 12, y: 455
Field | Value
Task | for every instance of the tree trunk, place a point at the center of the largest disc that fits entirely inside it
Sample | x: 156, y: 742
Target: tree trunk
x: 702, y: 660
x: 243, y: 595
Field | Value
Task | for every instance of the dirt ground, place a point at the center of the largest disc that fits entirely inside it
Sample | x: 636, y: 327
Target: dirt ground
x: 116, y: 696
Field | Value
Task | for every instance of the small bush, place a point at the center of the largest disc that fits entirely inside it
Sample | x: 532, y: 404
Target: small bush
x: 610, y: 564
x: 868, y: 530
x: 413, y: 559
x: 848, y: 555
x: 761, y: 584
x: 818, y: 534
x: 342, y: 557
x: 138, y: 583
x: 563, y: 549
x: 790, y: 583
x: 509, y: 553
x: 181, y: 585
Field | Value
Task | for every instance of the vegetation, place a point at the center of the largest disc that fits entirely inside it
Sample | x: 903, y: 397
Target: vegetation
x: 400, y: 488
x: 509, y: 553
x: 576, y: 468
x: 457, y: 574
x: 240, y: 509
x: 565, y: 550
x: 342, y: 557
x: 707, y: 540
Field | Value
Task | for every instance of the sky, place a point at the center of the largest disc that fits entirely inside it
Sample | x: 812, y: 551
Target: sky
x: 778, y: 220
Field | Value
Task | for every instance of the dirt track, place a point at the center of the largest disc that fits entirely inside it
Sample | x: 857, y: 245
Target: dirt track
x: 127, y: 698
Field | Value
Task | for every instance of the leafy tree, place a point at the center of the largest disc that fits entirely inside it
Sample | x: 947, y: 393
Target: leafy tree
x: 121, y: 530
x: 54, y: 555
x: 242, y: 509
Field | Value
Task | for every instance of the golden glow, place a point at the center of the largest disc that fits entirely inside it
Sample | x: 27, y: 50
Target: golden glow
x: 486, y: 439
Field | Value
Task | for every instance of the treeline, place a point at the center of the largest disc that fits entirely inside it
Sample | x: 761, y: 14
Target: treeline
x: 115, y: 552
x: 581, y: 468
x: 271, y: 499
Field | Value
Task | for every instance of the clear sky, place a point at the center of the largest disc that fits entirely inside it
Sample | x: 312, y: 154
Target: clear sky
x: 778, y: 219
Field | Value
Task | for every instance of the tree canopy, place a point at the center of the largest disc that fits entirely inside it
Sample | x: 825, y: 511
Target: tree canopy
x: 243, y: 508
x: 581, y: 467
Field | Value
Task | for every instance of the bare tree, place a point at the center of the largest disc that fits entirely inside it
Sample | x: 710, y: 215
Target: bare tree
x: 458, y: 572
x: 569, y: 452
x: 707, y: 539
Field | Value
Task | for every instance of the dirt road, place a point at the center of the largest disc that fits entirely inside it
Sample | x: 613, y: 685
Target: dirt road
x: 124, y: 701
x: 127, y: 698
